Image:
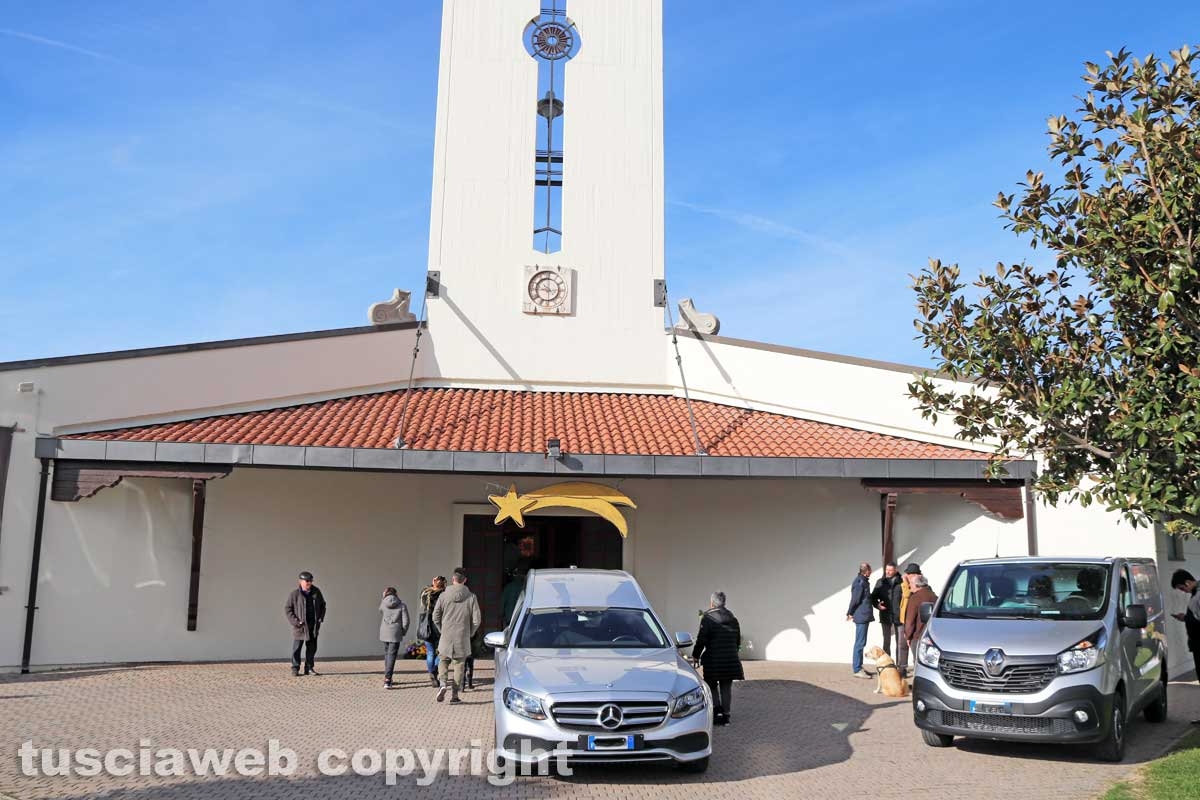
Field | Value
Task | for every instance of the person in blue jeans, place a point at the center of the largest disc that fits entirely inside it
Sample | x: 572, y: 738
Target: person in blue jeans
x: 859, y: 612
x: 426, y: 630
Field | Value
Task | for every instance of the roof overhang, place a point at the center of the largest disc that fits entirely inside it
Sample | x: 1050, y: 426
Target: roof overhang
x: 374, y: 459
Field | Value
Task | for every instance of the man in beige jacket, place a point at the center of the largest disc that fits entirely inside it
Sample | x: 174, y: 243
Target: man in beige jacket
x: 457, y: 617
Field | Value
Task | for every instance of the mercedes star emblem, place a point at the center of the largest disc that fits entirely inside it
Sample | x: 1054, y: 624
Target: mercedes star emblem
x: 611, y: 717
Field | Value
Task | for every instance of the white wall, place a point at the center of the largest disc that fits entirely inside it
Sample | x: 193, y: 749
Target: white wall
x: 167, y: 387
x: 115, y: 567
x: 1176, y: 601
x: 481, y: 226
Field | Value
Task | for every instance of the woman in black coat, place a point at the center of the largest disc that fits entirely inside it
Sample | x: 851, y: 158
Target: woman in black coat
x: 716, y: 649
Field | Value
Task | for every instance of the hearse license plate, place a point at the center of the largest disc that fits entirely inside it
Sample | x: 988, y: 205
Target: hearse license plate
x: 977, y: 707
x: 612, y: 742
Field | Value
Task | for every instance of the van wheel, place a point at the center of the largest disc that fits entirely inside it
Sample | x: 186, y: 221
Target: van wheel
x: 696, y: 767
x: 1157, y: 711
x: 1112, y: 748
x: 937, y: 739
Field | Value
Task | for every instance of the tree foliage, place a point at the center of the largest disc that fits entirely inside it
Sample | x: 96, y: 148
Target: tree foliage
x: 1089, y: 358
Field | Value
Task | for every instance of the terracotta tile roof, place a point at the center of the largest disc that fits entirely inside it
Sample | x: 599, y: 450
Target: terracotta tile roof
x: 490, y: 420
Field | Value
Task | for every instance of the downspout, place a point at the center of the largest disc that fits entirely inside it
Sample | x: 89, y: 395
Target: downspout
x: 34, y: 567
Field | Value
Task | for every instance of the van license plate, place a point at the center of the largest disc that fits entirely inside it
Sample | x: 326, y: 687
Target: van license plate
x: 976, y: 707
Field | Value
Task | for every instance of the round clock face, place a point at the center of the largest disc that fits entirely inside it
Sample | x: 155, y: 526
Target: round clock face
x: 552, y: 41
x: 547, y: 289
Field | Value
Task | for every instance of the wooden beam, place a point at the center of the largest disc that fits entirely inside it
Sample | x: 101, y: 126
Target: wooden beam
x: 75, y: 480
x: 198, y: 497
x: 888, y: 503
x: 1000, y: 498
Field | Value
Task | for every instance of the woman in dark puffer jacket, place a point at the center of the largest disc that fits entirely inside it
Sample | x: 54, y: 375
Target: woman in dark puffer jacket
x: 716, y: 649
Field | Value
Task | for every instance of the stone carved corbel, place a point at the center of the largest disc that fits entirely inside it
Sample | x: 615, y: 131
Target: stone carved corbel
x: 392, y: 311
x: 692, y: 320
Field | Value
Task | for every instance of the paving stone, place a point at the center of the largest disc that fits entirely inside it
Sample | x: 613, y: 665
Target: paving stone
x: 800, y: 730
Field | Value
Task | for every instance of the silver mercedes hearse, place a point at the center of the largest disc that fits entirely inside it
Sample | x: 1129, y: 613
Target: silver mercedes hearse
x: 1043, y: 649
x: 585, y: 667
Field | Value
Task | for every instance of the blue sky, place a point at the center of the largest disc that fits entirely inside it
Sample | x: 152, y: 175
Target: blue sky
x: 176, y: 172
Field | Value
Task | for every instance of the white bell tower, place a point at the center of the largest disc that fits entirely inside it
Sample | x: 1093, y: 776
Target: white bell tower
x: 546, y: 228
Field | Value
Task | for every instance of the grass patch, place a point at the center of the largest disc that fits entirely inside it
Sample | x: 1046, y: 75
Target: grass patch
x: 1172, y: 777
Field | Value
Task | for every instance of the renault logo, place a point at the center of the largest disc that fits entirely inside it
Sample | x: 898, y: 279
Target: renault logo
x: 611, y: 717
x: 993, y: 661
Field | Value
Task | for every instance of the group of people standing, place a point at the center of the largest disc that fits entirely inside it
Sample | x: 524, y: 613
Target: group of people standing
x: 898, y: 599
x: 450, y: 624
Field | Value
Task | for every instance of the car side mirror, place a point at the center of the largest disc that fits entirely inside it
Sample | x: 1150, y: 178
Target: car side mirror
x: 925, y: 611
x: 497, y: 639
x: 1135, y: 616
x: 683, y: 640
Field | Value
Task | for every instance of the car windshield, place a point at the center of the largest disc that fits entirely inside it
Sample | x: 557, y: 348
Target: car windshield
x: 590, y: 627
x: 1027, y: 590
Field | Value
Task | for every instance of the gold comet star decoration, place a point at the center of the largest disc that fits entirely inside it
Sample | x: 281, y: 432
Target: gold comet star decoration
x: 594, y: 497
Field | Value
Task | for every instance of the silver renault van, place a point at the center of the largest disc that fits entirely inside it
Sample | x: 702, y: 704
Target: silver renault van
x: 1043, y: 649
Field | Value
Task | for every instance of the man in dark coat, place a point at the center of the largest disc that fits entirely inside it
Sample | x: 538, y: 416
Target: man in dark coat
x: 859, y: 612
x: 716, y: 649
x: 305, y: 611
x: 889, y: 607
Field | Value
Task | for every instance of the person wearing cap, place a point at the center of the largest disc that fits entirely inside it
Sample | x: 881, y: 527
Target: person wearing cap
x: 305, y: 611
x: 906, y: 590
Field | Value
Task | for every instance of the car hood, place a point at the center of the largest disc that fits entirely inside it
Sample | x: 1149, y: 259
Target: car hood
x: 1016, y: 637
x: 571, y: 670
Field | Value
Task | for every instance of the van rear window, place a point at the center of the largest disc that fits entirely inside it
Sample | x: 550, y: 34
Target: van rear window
x: 1024, y: 590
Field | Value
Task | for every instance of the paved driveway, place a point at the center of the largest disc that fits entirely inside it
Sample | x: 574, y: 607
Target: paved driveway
x: 800, y: 730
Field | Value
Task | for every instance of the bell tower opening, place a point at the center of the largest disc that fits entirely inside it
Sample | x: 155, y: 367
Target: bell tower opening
x: 552, y: 40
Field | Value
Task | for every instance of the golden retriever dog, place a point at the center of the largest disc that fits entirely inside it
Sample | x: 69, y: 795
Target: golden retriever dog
x: 887, y: 674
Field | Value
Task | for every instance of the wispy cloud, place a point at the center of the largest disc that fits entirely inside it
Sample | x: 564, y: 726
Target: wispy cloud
x: 29, y: 37
x: 768, y: 226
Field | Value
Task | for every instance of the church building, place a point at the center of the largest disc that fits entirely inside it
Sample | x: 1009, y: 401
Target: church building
x: 543, y: 399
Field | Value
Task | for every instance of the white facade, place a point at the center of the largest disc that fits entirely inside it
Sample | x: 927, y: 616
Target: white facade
x: 483, y: 198
x: 115, y: 569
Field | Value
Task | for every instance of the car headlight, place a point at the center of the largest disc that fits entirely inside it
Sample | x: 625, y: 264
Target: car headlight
x: 523, y: 705
x: 687, y: 704
x: 929, y: 653
x: 1084, y: 656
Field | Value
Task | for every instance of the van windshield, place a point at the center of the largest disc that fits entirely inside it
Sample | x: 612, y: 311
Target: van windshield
x: 590, y: 627
x: 1027, y: 590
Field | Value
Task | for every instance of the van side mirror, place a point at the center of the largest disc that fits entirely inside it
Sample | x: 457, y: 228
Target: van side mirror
x: 1135, y: 616
x: 498, y: 640
x: 683, y: 640
x: 925, y: 612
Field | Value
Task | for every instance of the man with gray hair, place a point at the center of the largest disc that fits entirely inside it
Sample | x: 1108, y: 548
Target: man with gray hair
x: 716, y: 649
x: 913, y: 626
x: 859, y: 612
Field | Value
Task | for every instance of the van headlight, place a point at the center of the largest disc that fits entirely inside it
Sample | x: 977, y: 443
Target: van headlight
x: 1084, y: 656
x: 687, y: 704
x: 929, y: 653
x: 523, y: 705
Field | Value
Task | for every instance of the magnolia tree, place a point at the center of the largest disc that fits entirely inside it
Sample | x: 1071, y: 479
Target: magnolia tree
x: 1088, y: 357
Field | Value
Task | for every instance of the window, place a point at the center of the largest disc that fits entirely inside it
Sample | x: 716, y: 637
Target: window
x: 546, y: 628
x: 5, y: 449
x: 1028, y: 589
x: 552, y: 40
